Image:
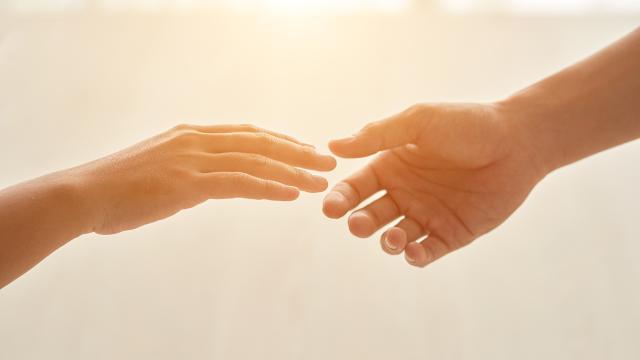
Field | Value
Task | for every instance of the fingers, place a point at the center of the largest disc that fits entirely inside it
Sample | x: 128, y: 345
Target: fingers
x: 401, y: 129
x: 253, y: 151
x: 226, y: 185
x: 404, y: 237
x: 350, y: 192
x: 229, y: 128
x: 270, y: 146
x: 422, y: 253
x: 394, y: 240
x: 366, y: 221
x: 262, y: 167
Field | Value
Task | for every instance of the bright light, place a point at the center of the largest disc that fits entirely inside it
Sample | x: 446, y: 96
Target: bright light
x: 245, y: 5
x: 321, y: 5
x: 541, y: 6
x: 562, y: 7
x: 41, y: 5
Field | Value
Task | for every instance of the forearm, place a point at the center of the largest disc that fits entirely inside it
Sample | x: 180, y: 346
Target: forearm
x: 36, y: 218
x: 154, y: 179
x: 586, y: 108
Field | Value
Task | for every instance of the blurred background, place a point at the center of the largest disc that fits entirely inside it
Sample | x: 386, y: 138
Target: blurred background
x: 256, y: 280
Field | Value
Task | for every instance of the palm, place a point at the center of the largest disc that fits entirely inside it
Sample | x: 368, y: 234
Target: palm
x: 457, y: 204
x: 457, y: 180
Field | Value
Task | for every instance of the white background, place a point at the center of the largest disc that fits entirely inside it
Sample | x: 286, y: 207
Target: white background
x: 245, y: 280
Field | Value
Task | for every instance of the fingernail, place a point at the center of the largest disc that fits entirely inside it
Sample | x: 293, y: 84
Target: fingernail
x: 335, y: 196
x: 388, y: 244
x: 409, y: 258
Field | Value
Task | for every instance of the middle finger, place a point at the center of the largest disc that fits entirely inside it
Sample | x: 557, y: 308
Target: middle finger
x: 269, y: 146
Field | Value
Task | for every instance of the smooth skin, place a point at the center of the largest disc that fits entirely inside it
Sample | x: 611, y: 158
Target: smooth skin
x: 453, y: 172
x: 152, y: 180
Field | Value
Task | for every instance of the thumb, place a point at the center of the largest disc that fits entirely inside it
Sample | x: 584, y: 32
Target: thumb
x: 401, y: 129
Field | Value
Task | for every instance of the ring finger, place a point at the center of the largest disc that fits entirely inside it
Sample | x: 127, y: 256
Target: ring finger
x: 262, y: 167
x: 394, y: 240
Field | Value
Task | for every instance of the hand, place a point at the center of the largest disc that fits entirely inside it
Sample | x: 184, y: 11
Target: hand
x: 189, y: 164
x: 452, y: 172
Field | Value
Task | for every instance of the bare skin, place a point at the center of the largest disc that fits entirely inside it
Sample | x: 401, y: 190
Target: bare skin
x: 149, y: 181
x: 453, y: 172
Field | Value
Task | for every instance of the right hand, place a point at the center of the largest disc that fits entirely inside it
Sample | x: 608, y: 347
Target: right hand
x: 451, y: 172
x: 189, y: 164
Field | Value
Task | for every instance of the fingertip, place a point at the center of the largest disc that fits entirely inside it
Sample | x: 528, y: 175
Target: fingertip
x: 335, y: 205
x: 394, y: 240
x: 361, y: 224
x: 321, y: 183
x: 341, y: 147
x: 333, y: 163
x: 416, y: 255
x: 353, y: 147
x: 326, y: 163
x: 290, y: 193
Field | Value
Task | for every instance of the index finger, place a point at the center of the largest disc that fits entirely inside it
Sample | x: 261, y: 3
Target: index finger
x: 229, y: 128
x: 350, y: 192
x: 270, y: 146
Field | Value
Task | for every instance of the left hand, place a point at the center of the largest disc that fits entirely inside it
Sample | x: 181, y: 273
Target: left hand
x: 190, y: 164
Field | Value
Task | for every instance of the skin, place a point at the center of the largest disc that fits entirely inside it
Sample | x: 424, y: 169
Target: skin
x: 453, y: 172
x: 450, y: 172
x: 149, y: 181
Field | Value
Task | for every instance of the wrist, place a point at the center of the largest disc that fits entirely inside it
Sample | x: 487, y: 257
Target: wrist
x: 527, y: 117
x: 69, y: 191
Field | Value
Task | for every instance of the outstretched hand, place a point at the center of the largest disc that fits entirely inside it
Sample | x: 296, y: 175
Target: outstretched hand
x: 450, y: 172
x: 149, y: 181
x: 189, y: 164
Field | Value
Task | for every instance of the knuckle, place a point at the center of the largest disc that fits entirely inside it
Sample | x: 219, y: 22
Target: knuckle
x: 265, y: 186
x: 265, y: 138
x: 185, y: 159
x: 417, y: 115
x: 259, y: 160
x: 300, y: 174
x: 369, y: 127
x: 249, y: 128
x: 183, y: 174
x: 238, y: 179
x: 182, y: 126
x: 308, y: 151
x: 226, y: 140
x: 185, y: 138
x: 304, y: 155
x: 415, y: 109
x: 267, y: 141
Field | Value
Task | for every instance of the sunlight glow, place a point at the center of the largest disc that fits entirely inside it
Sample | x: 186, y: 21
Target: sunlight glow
x: 553, y: 7
x: 560, y: 7
x: 338, y: 6
x: 321, y: 5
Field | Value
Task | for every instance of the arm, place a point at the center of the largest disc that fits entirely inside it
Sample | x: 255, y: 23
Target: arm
x: 150, y: 181
x: 584, y: 109
x: 453, y: 172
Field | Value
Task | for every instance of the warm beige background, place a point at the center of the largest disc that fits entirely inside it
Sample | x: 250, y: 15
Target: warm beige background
x: 243, y: 280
